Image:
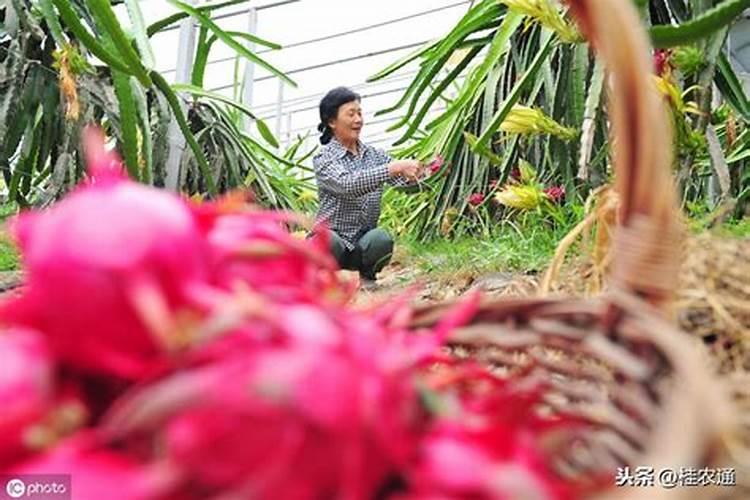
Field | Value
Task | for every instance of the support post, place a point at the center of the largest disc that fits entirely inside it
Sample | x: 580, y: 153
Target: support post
x: 247, y: 89
x: 288, y: 128
x: 185, y: 54
x: 279, y: 102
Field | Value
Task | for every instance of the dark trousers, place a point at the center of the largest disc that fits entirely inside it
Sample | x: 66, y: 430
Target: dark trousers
x: 371, y: 253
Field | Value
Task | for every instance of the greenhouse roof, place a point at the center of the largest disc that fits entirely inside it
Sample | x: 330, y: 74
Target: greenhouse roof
x: 324, y: 45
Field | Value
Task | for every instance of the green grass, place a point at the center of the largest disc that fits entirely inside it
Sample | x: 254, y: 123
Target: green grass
x: 736, y: 228
x: 7, y: 209
x: 9, y: 258
x: 512, y: 247
x: 8, y: 255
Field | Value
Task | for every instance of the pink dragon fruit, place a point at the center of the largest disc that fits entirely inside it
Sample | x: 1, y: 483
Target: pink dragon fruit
x: 330, y: 399
x: 500, y: 454
x: 436, y: 165
x: 556, y: 194
x: 95, y: 472
x: 661, y: 61
x: 107, y: 267
x: 476, y: 199
x: 26, y: 390
x: 278, y: 389
x: 255, y: 249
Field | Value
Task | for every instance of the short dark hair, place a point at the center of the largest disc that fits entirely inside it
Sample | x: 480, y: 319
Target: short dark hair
x: 329, y: 109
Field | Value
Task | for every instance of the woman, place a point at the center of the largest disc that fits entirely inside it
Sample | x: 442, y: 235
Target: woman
x: 350, y: 177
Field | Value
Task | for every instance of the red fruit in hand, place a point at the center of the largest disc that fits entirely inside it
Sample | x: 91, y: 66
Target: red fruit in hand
x: 436, y: 164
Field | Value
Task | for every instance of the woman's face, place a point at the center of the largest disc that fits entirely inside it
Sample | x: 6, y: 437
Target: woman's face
x: 348, y: 122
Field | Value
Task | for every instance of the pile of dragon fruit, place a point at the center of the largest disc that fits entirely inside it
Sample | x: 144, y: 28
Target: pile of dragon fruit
x: 162, y: 348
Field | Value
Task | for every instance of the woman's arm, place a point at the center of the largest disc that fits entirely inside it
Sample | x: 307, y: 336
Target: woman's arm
x: 410, y: 170
x: 333, y: 177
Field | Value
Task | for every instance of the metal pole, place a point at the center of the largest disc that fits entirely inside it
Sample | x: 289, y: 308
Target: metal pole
x: 185, y: 53
x: 279, y: 102
x: 288, y: 129
x: 247, y: 91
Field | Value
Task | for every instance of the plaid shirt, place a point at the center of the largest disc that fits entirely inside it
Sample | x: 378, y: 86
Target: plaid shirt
x: 350, y: 188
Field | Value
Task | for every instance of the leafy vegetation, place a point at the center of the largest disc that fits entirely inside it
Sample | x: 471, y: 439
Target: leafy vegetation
x: 523, y: 140
x: 525, y: 245
x: 8, y: 255
x: 531, y: 92
x: 67, y: 63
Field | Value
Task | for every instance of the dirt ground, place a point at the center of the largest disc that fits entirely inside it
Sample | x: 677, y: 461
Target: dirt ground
x: 400, y: 277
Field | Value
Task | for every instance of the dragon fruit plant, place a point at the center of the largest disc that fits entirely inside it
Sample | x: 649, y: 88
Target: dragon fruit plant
x: 167, y: 349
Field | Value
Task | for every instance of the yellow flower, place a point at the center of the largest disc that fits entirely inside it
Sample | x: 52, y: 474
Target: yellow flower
x: 546, y: 13
x: 528, y: 174
x: 520, y: 196
x: 525, y: 120
x: 307, y: 196
x: 669, y: 89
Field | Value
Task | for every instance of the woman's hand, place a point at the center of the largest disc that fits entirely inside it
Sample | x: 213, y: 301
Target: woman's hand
x: 411, y: 170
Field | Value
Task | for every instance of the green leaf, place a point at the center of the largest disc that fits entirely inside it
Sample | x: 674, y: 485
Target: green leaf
x: 174, y: 18
x: 663, y: 36
x: 265, y: 132
x: 485, y: 151
x: 205, y: 44
x: 515, y: 93
x: 469, y: 93
x: 731, y: 87
x: 102, y: 11
x: 128, y: 122
x: 147, y: 149
x: 197, y: 91
x: 23, y: 167
x: 141, y: 36
x: 412, y: 56
x: 70, y: 18
x: 578, y: 83
x: 741, y: 155
x: 51, y: 128
x: 416, y: 89
x: 14, y: 67
x: 497, y: 50
x: 228, y: 40
x: 486, y: 15
x: 475, y: 20
x: 174, y: 103
x: 254, y: 39
x: 203, y: 48
x: 588, y: 126
x: 436, y: 93
x: 53, y: 22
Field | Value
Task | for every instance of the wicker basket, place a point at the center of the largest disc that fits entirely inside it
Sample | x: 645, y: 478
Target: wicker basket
x: 617, y: 360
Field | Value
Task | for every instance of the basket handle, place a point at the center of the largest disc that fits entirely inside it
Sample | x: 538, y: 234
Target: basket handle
x: 647, y: 244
